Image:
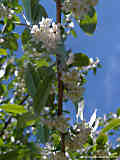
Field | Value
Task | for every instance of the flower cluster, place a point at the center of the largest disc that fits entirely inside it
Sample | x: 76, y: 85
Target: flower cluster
x: 93, y: 123
x: 5, y: 12
x: 60, y: 156
x: 93, y: 64
x: 19, y: 84
x: 46, y: 32
x: 71, y: 81
x: 79, y: 8
x: 60, y: 123
x: 78, y: 138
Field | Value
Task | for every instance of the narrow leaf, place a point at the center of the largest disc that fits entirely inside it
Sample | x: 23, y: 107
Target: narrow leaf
x: 3, y: 52
x: 112, y: 124
x: 13, y: 108
x: 27, y: 6
x: 43, y: 133
x: 43, y: 90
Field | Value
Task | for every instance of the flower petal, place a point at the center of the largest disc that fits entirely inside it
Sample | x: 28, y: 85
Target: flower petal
x: 80, y: 110
x: 93, y: 118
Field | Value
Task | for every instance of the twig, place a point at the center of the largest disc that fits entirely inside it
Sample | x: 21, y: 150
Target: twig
x: 10, y: 118
x: 26, y: 21
x: 59, y: 74
x: 21, y: 24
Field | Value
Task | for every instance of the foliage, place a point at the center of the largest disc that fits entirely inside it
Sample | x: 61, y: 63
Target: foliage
x: 31, y: 93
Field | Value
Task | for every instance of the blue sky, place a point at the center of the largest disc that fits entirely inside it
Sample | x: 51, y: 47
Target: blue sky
x: 102, y: 91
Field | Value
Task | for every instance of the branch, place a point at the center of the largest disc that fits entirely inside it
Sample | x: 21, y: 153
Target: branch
x: 59, y: 74
x: 21, y: 24
x: 10, y: 118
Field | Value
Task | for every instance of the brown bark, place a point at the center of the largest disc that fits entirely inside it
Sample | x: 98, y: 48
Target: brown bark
x: 59, y: 74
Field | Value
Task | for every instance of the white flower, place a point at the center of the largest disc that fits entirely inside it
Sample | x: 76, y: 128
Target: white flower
x: 16, y: 73
x: 70, y: 59
x: 95, y: 121
x: 92, y: 119
x: 80, y: 110
x: 71, y: 25
x: 93, y: 64
x: 35, y: 29
x: 11, y: 11
x: 79, y: 8
x: 97, y: 60
x: 96, y: 125
x: 12, y: 139
x: 12, y: 100
x: 47, y: 32
x: 46, y: 22
x: 1, y: 40
x: 91, y: 60
x: 1, y: 99
x: 9, y: 16
x: 14, y: 120
x: 68, y: 17
x: 5, y: 12
x: 2, y: 71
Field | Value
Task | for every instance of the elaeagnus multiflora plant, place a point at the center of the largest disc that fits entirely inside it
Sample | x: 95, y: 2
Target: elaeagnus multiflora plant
x: 39, y: 75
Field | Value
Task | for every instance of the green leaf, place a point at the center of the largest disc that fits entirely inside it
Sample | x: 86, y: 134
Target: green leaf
x: 13, y: 108
x: 18, y: 8
x: 15, y: 35
x: 56, y: 139
x: 25, y: 37
x: 112, y: 124
x: 11, y: 42
x: 31, y: 79
x: 38, y: 82
x: 26, y: 120
x: 27, y: 6
x: 42, y: 133
x: 3, y: 52
x: 43, y: 89
x: 42, y: 62
x: 11, y: 155
x: 102, y: 139
x: 80, y: 60
x: 3, y: 89
x: 39, y: 12
x: 9, y: 27
x: 73, y: 33
x: 118, y: 112
x: 9, y: 70
x: 1, y: 142
x: 34, y: 11
x: 94, y: 71
x: 88, y: 24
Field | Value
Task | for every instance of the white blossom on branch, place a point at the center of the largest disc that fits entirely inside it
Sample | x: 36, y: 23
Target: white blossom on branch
x: 79, y: 8
x: 46, y: 32
x: 5, y: 12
